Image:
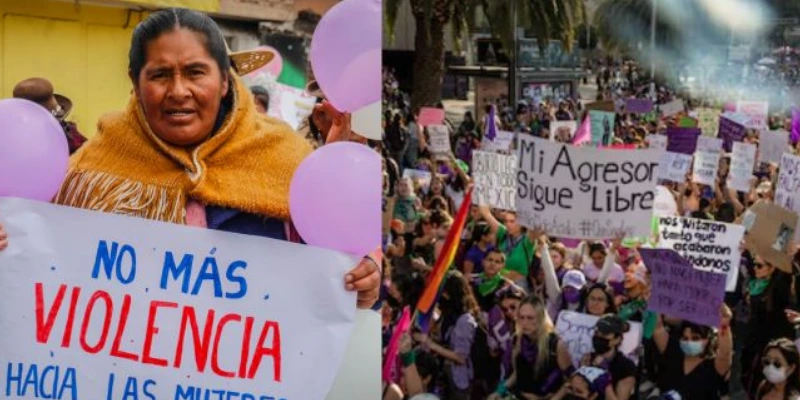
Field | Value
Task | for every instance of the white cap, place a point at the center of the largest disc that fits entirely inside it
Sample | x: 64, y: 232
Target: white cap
x: 575, y: 279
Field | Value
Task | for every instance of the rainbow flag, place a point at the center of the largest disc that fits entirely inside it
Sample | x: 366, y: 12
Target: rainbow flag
x: 446, y: 257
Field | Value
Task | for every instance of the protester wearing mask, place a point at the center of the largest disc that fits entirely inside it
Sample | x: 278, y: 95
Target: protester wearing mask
x: 780, y: 363
x: 696, y: 365
x: 606, y: 355
x: 560, y: 298
x: 587, y: 383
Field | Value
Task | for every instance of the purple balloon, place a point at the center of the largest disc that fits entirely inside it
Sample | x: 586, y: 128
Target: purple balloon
x: 335, y: 198
x: 34, y: 154
x: 346, y: 54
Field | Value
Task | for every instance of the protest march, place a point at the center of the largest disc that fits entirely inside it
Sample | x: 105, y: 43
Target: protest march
x: 635, y: 237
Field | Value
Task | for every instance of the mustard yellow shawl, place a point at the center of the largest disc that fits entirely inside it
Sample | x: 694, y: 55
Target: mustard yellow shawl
x: 126, y: 169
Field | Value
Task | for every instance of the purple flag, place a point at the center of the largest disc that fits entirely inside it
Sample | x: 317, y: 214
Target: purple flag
x: 682, y: 140
x: 682, y: 291
x: 638, y: 106
x: 795, y: 135
x: 491, y: 129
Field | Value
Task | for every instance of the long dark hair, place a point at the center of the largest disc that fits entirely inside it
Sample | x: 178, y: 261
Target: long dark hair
x: 611, y: 308
x: 460, y: 300
x: 171, y: 19
x: 789, y: 352
x: 704, y: 332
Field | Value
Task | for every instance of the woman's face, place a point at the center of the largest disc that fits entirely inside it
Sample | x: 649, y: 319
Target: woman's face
x: 527, y: 319
x: 180, y: 88
x: 776, y: 358
x: 404, y: 188
x: 557, y: 259
x: 762, y: 269
x: 443, y: 229
x: 596, y: 302
x: 493, y: 263
x: 436, y: 187
x: 579, y: 387
x: 598, y: 258
x: 511, y: 224
x: 509, y: 307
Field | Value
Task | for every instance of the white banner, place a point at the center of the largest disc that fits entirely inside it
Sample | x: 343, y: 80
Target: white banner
x: 788, y: 190
x: 771, y: 145
x: 419, y: 177
x: 756, y: 111
x: 577, y: 329
x: 671, y: 108
x: 118, y: 306
x: 708, y: 245
x: 502, y: 142
x: 439, y: 140
x: 495, y: 180
x: 742, y: 163
x: 657, y: 142
x: 674, y: 167
x: 709, y: 143
x: 583, y: 192
x: 562, y: 131
x: 706, y: 164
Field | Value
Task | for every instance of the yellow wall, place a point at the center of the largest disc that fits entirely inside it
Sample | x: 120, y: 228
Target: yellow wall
x: 82, y: 49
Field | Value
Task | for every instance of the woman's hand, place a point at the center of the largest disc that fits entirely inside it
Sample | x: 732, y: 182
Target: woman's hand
x: 3, y: 238
x: 365, y: 278
x: 405, y: 343
x: 339, y: 129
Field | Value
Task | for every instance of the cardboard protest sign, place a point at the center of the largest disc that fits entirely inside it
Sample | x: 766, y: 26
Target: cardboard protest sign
x: 419, y: 178
x: 742, y: 163
x: 687, y: 122
x: 115, y: 304
x: 708, y: 121
x: 730, y: 131
x: 562, y: 131
x: 671, y: 108
x: 673, y: 167
x: 682, y: 140
x: 576, y: 330
x: 706, y: 164
x: 429, y: 116
x: 495, y: 180
x: 708, y: 245
x: 771, y: 228
x: 771, y: 145
x: 602, y: 127
x: 681, y: 291
x: 585, y: 193
x: 658, y: 142
x: 638, y: 106
x: 607, y: 106
x: 756, y: 111
x: 439, y: 141
x: 501, y: 143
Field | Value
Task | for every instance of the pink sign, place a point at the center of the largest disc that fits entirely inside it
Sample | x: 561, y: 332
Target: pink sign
x: 431, y: 116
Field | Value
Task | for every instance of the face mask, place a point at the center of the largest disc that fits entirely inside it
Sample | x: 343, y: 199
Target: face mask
x: 572, y: 296
x: 601, y: 345
x: 774, y: 375
x: 691, y: 348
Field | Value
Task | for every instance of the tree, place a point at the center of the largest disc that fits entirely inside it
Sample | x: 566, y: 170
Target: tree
x: 549, y: 19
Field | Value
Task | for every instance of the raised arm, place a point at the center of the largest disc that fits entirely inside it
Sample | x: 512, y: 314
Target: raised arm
x: 611, y: 258
x: 550, y: 278
x: 724, y: 359
x: 494, y: 224
x: 660, y: 335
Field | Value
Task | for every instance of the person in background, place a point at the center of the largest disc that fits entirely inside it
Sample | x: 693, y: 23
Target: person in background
x: 261, y: 98
x: 781, y: 361
x: 606, y: 355
x: 41, y: 91
x: 587, y: 383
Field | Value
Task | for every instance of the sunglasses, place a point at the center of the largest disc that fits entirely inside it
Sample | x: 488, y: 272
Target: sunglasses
x: 759, y: 265
x: 775, y: 363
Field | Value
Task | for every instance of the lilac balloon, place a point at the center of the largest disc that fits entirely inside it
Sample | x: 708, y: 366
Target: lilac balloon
x: 346, y: 54
x: 335, y: 198
x: 34, y: 154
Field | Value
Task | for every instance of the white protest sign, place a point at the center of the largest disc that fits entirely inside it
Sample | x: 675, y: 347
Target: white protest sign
x: 708, y: 245
x: 562, y: 131
x: 671, y: 108
x: 576, y: 330
x: 786, y: 195
x: 706, y: 164
x: 756, y: 111
x: 583, y: 192
x: 420, y: 177
x: 120, y: 306
x: 742, y: 163
x: 665, y: 204
x: 673, y: 167
x: 295, y: 107
x: 657, y: 142
x: 495, y: 180
x: 706, y: 143
x: 771, y: 145
x: 439, y: 142
x: 502, y: 142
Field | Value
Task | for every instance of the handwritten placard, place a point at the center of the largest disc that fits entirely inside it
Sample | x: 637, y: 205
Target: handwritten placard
x: 770, y: 231
x: 674, y: 167
x: 638, y: 106
x: 577, y: 329
x: 705, y: 143
x: 787, y: 194
x: 582, y: 192
x: 602, y: 127
x: 562, y: 131
x: 495, y: 180
x: 658, y: 142
x: 756, y: 111
x: 771, y: 145
x: 742, y: 163
x: 730, y: 131
x: 682, y: 140
x: 123, y: 307
x: 501, y: 143
x: 429, y: 116
x: 681, y: 291
x: 708, y: 245
x: 708, y: 121
x: 420, y: 178
x: 671, y: 108
x: 706, y: 164
x: 439, y: 142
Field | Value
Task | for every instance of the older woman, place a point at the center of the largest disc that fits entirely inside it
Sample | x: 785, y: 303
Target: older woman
x: 190, y: 147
